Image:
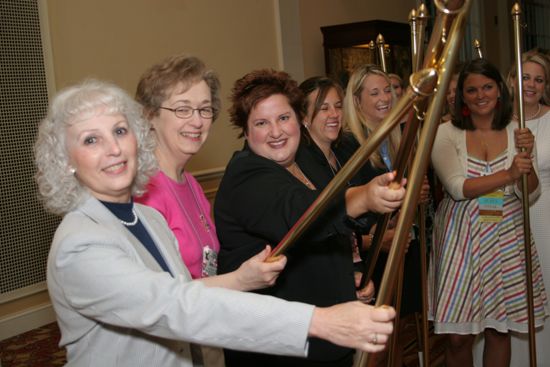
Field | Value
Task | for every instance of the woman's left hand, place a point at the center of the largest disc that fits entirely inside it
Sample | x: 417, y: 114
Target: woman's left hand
x: 365, y: 294
x: 523, y: 138
x: 256, y: 273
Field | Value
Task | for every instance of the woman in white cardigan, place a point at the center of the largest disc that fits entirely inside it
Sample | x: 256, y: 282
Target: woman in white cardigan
x: 477, y: 277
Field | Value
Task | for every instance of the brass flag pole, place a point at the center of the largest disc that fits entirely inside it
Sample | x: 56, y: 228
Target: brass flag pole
x: 381, y: 52
x: 421, y: 159
x: 418, y: 33
x: 516, y: 15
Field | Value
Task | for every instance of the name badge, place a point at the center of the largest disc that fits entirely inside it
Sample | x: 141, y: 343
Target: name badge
x: 209, y: 262
x: 490, y: 207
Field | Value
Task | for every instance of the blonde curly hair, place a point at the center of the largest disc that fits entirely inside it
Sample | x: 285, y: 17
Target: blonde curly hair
x: 59, y: 188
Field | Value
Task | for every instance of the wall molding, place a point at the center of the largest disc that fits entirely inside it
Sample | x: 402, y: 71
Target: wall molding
x: 209, y: 179
x: 28, y: 319
x: 209, y: 174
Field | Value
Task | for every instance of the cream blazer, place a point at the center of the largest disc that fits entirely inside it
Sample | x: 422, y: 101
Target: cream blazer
x: 116, y: 307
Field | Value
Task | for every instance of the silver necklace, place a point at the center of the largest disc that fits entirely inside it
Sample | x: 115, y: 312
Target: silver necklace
x: 333, y: 169
x: 133, y: 222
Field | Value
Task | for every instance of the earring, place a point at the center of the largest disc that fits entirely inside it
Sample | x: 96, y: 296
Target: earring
x: 73, y: 171
x: 465, y: 111
x: 306, y: 125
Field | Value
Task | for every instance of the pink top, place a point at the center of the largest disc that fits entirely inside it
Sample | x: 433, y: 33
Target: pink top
x: 183, y: 205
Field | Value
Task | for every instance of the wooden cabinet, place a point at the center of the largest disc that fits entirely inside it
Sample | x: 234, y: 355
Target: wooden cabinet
x: 346, y: 46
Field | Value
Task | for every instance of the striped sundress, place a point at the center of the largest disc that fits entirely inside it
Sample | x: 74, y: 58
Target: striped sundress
x: 477, y: 273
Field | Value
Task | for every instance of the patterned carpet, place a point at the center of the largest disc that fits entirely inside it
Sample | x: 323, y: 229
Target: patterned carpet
x: 36, y: 348
x: 39, y: 348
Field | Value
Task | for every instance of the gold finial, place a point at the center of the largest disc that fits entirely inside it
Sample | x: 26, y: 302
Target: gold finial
x: 422, y: 12
x: 516, y: 9
x: 380, y: 40
x: 412, y: 16
x: 371, y: 45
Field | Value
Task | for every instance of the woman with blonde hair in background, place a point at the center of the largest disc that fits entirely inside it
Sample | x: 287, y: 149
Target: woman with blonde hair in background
x: 536, y: 102
x: 396, y: 84
x: 369, y: 100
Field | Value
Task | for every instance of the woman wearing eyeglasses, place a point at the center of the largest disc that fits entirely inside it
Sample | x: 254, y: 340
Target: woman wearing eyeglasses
x: 181, y: 100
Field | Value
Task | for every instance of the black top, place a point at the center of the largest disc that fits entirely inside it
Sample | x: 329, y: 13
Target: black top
x: 411, y: 300
x: 343, y: 149
x: 257, y: 203
x: 125, y: 212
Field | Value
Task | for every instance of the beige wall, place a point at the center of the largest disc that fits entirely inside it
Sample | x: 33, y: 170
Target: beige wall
x: 118, y: 40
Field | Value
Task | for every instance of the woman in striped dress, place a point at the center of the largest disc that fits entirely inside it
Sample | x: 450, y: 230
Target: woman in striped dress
x: 477, y: 277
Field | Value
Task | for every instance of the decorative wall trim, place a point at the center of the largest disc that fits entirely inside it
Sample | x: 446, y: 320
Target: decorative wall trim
x: 209, y: 174
x: 28, y: 319
x: 210, y: 180
x: 22, y: 293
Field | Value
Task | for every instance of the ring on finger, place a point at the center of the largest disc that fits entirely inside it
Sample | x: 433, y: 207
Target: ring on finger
x: 374, y: 339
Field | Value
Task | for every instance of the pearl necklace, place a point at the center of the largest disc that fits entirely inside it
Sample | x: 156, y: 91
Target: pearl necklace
x: 133, y: 222
x: 530, y: 117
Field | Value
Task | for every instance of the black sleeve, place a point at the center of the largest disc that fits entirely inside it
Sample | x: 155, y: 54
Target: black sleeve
x: 258, y: 202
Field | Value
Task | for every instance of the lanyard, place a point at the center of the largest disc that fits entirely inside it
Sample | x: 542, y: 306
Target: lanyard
x: 385, y: 154
x: 202, y: 217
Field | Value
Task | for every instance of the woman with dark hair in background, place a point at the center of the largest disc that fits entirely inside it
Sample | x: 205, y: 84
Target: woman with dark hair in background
x: 477, y: 277
x: 331, y: 147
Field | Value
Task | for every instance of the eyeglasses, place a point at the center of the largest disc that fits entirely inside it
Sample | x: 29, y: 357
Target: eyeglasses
x: 186, y: 112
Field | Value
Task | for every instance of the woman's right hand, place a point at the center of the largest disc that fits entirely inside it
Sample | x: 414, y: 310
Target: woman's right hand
x: 524, y: 139
x: 383, y: 194
x: 256, y: 273
x: 522, y: 163
x: 380, y: 195
x: 354, y: 325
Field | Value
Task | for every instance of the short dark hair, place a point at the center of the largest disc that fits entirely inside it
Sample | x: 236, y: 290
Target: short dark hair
x: 503, y: 111
x: 257, y: 86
